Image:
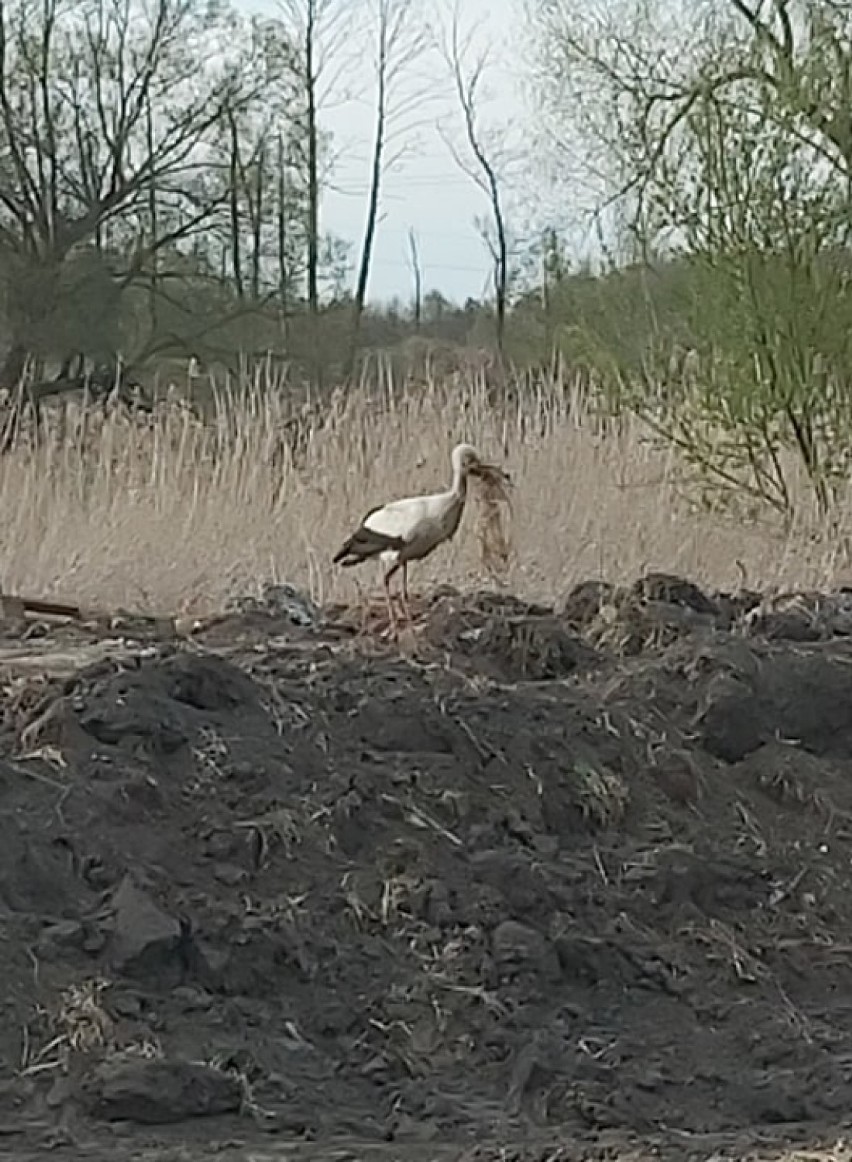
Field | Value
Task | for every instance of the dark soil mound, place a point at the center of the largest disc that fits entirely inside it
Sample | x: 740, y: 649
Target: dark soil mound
x: 512, y: 886
x: 499, y: 636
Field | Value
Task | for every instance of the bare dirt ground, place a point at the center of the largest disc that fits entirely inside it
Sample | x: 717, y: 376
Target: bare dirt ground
x: 535, y: 885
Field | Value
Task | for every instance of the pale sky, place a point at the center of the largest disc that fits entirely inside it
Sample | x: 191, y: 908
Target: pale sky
x: 427, y: 191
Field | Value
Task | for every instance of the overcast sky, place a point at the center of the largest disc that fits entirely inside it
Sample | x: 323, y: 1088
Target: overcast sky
x: 427, y: 191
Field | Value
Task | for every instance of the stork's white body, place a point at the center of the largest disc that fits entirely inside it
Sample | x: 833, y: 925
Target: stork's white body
x: 410, y: 529
x: 422, y: 522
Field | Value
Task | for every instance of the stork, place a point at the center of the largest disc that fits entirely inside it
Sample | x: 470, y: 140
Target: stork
x: 410, y: 529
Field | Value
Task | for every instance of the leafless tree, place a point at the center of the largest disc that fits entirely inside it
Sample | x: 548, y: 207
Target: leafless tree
x: 479, y: 157
x: 399, y: 39
x: 105, y: 109
x: 256, y: 143
x: 236, y: 172
x: 320, y: 32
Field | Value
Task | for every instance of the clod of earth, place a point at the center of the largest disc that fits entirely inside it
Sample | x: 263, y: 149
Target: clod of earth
x: 145, y: 940
x: 159, y: 1092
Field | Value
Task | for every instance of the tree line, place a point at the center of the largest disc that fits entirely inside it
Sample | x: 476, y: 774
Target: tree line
x: 163, y: 167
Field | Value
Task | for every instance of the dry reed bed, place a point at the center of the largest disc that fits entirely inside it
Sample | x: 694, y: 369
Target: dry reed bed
x: 176, y: 514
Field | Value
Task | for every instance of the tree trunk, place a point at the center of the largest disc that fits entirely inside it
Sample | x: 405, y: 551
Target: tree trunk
x: 370, y: 226
x: 313, y: 194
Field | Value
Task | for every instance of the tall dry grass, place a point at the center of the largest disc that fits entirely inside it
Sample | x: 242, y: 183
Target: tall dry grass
x: 177, y: 514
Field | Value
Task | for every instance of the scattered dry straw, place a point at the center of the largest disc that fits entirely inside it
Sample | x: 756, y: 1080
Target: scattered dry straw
x: 176, y: 513
x: 79, y: 1023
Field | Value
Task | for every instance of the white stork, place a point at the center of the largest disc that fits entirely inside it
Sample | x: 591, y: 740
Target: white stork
x: 410, y: 529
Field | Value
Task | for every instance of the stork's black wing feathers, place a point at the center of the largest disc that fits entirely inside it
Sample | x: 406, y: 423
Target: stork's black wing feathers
x: 365, y: 543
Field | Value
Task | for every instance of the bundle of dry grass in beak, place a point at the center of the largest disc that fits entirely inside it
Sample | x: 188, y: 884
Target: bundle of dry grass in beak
x: 494, y: 510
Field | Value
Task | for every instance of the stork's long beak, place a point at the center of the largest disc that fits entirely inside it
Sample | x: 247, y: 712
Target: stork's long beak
x: 483, y: 470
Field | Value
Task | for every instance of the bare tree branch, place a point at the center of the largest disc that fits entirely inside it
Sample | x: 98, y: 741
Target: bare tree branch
x: 399, y: 40
x: 417, y: 275
x: 482, y: 166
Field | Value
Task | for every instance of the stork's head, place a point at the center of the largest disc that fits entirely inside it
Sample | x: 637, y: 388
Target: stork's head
x: 465, y: 459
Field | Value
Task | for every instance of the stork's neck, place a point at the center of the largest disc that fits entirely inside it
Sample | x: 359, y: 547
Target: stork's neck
x: 459, y: 485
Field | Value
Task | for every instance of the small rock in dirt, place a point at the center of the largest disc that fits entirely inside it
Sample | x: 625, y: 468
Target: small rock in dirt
x: 144, y: 937
x: 583, y: 959
x: 159, y: 1092
x: 731, y: 726
x: 518, y: 945
x: 192, y: 999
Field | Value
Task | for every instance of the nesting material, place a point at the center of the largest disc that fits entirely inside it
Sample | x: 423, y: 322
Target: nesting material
x: 491, y: 489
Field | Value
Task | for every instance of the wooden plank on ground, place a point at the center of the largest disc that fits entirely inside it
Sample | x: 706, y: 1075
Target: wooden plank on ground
x: 15, y: 609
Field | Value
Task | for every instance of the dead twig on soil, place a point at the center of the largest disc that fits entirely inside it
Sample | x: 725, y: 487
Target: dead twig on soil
x: 746, y: 966
x: 420, y: 819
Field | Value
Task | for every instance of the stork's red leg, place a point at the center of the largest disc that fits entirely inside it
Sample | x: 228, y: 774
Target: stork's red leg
x: 391, y: 614
x: 405, y: 605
